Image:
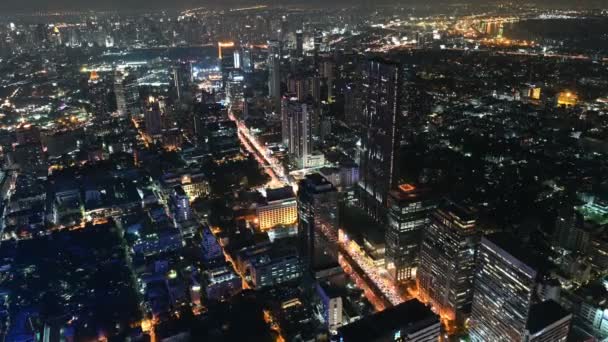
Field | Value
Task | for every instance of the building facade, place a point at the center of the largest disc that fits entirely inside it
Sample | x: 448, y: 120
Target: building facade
x: 447, y: 260
x: 409, y: 209
x: 504, y: 285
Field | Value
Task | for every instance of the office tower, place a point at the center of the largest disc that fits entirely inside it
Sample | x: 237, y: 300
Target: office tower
x: 296, y: 127
x: 226, y: 52
x: 408, y: 216
x: 505, y: 281
x: 548, y: 322
x: 299, y: 43
x: 235, y: 89
x: 317, y: 41
x: 410, y: 321
x: 570, y: 232
x: 247, y: 61
x: 380, y: 141
x: 119, y: 91
x: 284, y: 29
x: 299, y: 86
x: 274, y: 73
x: 181, y: 204
x: 237, y: 59
x: 131, y: 92
x: 177, y: 82
x: 152, y: 120
x: 279, y: 208
x: 447, y: 260
x: 317, y: 220
x: 327, y: 72
x: 220, y: 138
x: 352, y: 105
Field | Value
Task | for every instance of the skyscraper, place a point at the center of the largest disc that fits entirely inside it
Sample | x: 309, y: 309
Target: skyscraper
x: 408, y: 216
x: 296, y: 127
x: 380, y: 141
x: 317, y: 212
x: 181, y: 204
x: 274, y: 72
x: 119, y: 91
x: 152, y: 120
x: 504, y: 285
x: 299, y: 43
x: 226, y: 53
x: 447, y: 260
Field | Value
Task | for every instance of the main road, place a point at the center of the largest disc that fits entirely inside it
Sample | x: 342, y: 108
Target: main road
x: 271, y: 166
x: 377, y: 288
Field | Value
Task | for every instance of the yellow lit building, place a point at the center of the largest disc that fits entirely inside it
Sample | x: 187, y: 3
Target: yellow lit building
x: 534, y: 93
x: 567, y: 99
x: 194, y: 183
x: 279, y: 209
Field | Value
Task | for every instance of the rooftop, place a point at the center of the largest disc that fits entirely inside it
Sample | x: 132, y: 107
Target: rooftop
x: 407, y: 314
x: 544, y: 314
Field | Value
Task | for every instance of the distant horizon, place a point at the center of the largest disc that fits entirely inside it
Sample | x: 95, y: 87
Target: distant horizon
x: 38, y: 6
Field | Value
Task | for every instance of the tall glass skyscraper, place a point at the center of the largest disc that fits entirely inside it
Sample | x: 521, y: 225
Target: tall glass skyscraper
x: 409, y: 209
x: 382, y: 90
x: 504, y: 285
x: 447, y: 260
x: 317, y: 211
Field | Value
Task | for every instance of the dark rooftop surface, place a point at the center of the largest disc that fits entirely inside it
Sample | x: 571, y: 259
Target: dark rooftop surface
x: 544, y: 314
x: 523, y: 253
x: 279, y: 194
x: 385, y: 322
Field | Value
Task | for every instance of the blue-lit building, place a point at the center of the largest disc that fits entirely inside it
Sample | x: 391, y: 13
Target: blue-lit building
x: 221, y: 282
x: 270, y: 264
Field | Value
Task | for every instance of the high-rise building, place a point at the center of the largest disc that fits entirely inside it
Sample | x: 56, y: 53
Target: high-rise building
x: 299, y: 43
x: 279, y: 208
x: 131, y: 93
x: 226, y: 53
x: 152, y: 120
x: 548, y: 322
x: 447, y: 260
x: 181, y: 204
x: 317, y: 217
x: 274, y: 72
x: 408, y: 215
x: 235, y: 88
x: 379, y: 150
x: 505, y: 282
x: 410, y: 321
x: 247, y: 61
x: 296, y: 130
x: 119, y: 91
x: 570, y: 232
x: 177, y: 82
